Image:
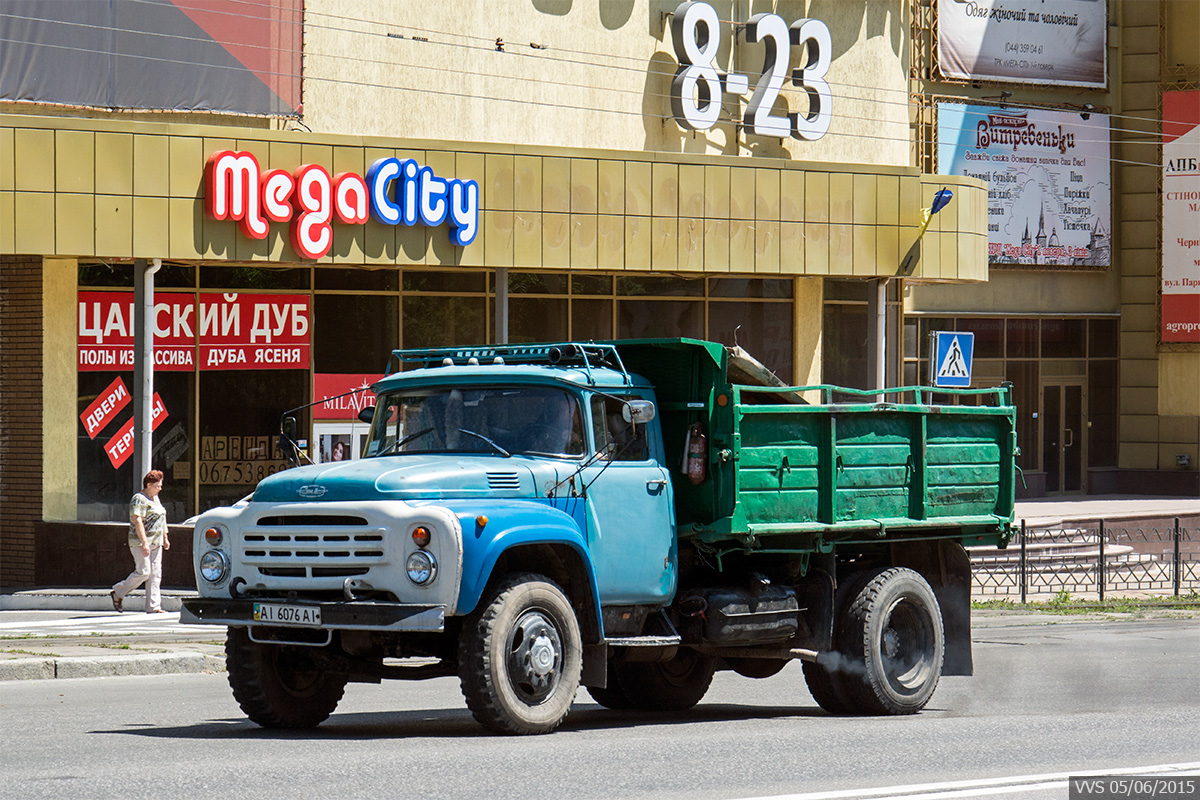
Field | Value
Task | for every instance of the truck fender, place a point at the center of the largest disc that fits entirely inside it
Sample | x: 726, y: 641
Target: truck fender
x: 515, y: 529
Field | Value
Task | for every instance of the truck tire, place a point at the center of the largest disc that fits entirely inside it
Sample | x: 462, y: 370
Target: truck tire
x: 673, y: 685
x: 520, y: 656
x: 823, y: 684
x: 891, y: 634
x: 279, y: 685
x: 613, y: 695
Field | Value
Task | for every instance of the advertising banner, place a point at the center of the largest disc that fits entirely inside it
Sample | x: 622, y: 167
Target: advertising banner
x: 228, y: 331
x: 1062, y: 42
x: 105, y: 407
x: 120, y: 446
x: 1181, y: 217
x: 328, y: 385
x: 1049, y: 179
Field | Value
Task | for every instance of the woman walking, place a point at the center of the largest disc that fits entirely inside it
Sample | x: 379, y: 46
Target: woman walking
x: 147, y: 540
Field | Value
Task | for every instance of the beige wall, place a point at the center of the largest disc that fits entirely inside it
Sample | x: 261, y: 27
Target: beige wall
x: 603, y: 80
x: 59, y: 406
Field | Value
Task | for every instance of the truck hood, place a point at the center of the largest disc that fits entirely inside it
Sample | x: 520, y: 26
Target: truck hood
x: 411, y: 477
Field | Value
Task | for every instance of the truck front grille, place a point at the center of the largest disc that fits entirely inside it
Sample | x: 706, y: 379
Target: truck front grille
x: 304, y: 549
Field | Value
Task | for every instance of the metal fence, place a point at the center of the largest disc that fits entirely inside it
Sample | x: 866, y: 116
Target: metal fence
x: 1095, y: 559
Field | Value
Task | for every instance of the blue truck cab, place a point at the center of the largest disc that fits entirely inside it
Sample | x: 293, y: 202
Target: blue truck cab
x: 513, y: 522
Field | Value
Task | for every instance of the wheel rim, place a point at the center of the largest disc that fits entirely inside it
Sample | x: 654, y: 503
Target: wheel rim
x: 906, y: 647
x: 534, y: 656
x: 681, y: 670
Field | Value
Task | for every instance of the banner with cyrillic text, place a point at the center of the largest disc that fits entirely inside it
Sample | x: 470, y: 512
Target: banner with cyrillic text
x: 120, y: 446
x: 1063, y: 42
x: 1049, y: 177
x: 1181, y: 217
x: 226, y: 331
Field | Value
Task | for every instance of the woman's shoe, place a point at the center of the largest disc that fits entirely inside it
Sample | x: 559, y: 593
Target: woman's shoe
x: 118, y: 603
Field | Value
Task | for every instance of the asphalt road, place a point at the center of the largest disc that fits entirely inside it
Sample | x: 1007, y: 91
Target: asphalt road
x: 1047, y: 700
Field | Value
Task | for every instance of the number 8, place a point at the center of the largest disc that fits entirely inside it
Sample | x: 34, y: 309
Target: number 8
x: 811, y: 78
x: 696, y: 89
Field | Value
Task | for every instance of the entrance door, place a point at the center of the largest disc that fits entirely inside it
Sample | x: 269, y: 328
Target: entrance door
x: 1064, y: 439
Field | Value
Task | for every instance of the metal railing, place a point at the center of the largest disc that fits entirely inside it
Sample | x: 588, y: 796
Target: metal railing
x: 1094, y: 559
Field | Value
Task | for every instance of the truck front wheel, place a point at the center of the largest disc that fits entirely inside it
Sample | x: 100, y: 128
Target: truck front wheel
x: 279, y: 685
x: 891, y: 635
x: 520, y: 657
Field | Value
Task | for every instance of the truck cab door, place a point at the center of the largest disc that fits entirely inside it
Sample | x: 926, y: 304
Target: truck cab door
x: 631, y: 512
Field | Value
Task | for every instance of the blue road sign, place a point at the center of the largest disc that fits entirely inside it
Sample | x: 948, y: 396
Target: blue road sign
x: 952, y: 367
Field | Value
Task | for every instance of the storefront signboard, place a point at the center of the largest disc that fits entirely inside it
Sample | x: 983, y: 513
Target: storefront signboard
x: 230, y: 331
x: 1181, y: 217
x: 244, y: 460
x: 120, y: 446
x: 1063, y: 42
x: 341, y: 396
x: 1049, y: 177
x: 394, y: 191
x: 698, y: 88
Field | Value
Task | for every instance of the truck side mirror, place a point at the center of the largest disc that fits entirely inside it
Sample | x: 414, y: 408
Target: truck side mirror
x: 287, y: 440
x: 367, y: 414
x: 638, y: 411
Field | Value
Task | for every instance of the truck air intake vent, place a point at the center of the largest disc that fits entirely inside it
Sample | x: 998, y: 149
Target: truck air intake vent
x: 503, y: 480
x: 308, y: 520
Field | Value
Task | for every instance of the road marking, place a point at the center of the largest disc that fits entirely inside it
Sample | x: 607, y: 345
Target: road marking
x: 982, y: 787
x: 113, y: 623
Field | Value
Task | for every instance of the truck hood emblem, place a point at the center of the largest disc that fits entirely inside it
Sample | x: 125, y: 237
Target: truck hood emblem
x: 311, y: 491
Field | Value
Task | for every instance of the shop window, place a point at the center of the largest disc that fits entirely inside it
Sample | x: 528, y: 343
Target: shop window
x: 105, y: 455
x: 1103, y: 335
x: 240, y: 414
x: 591, y: 284
x: 1026, y: 389
x: 648, y: 319
x: 537, y: 319
x: 844, y: 346
x: 354, y: 332
x: 537, y: 283
x: 989, y: 336
x: 1064, y: 338
x: 448, y: 281
x: 642, y: 285
x: 930, y: 326
x: 1022, y: 338
x: 765, y: 332
x: 106, y: 275
x: 748, y: 287
x: 258, y: 278
x: 433, y: 321
x: 591, y: 319
x: 358, y: 279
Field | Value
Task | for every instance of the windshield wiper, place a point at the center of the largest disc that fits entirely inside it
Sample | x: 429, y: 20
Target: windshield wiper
x: 396, y: 445
x: 495, y: 446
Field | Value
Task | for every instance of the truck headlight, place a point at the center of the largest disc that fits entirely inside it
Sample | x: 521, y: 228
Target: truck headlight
x: 421, y: 567
x: 214, y: 566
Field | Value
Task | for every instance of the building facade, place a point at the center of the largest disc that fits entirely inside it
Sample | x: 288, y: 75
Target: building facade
x: 306, y: 187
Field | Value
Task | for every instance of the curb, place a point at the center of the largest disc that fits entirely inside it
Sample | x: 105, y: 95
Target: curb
x: 109, y: 666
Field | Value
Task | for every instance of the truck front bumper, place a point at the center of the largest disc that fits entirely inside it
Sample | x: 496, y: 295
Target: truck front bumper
x: 362, y: 615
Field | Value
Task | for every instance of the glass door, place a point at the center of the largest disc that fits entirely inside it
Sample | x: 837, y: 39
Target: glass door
x: 1064, y: 425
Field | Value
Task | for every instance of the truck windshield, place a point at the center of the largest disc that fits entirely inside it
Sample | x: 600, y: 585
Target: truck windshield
x: 502, y: 420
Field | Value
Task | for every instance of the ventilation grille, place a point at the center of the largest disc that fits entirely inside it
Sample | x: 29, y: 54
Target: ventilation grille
x: 503, y: 480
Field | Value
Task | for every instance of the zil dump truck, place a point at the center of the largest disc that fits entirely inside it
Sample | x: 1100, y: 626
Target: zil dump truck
x: 627, y: 516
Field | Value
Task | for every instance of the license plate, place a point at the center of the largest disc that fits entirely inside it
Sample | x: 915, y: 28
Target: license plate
x: 275, y: 614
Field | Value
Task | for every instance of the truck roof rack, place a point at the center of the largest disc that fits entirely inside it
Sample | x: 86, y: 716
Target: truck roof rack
x: 587, y: 355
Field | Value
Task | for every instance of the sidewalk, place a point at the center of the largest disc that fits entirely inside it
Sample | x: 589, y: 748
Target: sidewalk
x: 74, y: 633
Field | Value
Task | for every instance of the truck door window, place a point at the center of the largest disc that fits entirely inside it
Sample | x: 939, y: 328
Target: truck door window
x: 616, y: 439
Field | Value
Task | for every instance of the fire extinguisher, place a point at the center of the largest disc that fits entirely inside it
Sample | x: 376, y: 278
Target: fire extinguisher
x: 697, y: 453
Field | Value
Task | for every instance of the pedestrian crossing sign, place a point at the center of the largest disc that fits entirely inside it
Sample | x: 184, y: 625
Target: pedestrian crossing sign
x: 952, y: 367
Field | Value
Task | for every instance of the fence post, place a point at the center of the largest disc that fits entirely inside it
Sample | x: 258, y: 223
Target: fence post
x: 1103, y: 565
x: 1021, y: 580
x: 1178, y: 567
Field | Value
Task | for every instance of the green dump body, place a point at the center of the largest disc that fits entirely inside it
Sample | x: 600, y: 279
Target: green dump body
x: 803, y: 477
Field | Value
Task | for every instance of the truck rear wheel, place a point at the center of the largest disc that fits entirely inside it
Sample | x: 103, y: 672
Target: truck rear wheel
x: 672, y: 685
x: 613, y: 695
x: 280, y: 685
x: 520, y: 657
x: 891, y: 635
